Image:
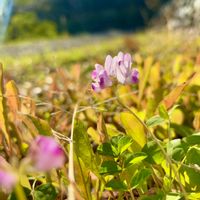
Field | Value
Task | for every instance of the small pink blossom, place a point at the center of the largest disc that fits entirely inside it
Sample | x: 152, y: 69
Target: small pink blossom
x: 46, y: 154
x: 8, y: 180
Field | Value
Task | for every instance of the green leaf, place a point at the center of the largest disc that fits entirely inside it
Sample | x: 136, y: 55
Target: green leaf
x: 109, y: 167
x: 135, y: 158
x: 182, y: 130
x: 163, y: 112
x: 115, y: 140
x: 112, y: 130
x: 82, y: 178
x: 115, y: 184
x: 167, y: 183
x: 124, y: 143
x: 107, y: 150
x: 193, y: 139
x: 45, y: 192
x: 177, y: 149
x: 192, y: 159
x: 83, y: 148
x: 154, y: 121
x: 140, y: 178
x: 135, y: 129
x: 120, y: 143
x: 153, y: 152
x: 94, y: 135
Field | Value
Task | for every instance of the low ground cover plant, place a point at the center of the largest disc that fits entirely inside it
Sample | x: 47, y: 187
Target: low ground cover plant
x: 128, y: 134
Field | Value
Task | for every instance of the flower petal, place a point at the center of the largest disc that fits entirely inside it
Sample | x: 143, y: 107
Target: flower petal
x: 7, y: 181
x: 134, y: 76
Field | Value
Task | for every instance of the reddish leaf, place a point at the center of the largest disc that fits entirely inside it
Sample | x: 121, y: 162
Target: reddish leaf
x: 171, y: 98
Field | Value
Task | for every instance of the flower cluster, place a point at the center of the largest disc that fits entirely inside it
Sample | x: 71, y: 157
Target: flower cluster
x: 46, y: 154
x: 118, y: 67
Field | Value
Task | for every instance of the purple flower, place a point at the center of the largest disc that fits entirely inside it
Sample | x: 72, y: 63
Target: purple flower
x: 134, y: 76
x: 101, y: 78
x: 46, y: 154
x: 119, y: 67
x: 8, y: 181
x: 124, y: 71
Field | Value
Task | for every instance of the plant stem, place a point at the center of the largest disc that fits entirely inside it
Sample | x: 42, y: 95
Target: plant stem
x: 71, y: 191
x: 169, y: 138
x: 132, y: 195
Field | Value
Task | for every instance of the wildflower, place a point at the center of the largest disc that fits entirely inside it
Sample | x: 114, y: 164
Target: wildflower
x: 46, y: 154
x: 8, y: 181
x: 118, y: 67
x: 101, y: 78
x: 124, y: 72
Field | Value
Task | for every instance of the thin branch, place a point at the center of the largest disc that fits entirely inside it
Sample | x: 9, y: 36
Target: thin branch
x: 71, y: 190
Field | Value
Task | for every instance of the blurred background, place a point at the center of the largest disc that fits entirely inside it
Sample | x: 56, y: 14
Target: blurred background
x: 48, y: 34
x: 27, y: 19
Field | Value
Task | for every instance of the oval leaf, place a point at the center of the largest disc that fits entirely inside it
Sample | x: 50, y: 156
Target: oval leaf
x: 134, y: 128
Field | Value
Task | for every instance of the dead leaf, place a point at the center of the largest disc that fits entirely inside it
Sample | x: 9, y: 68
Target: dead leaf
x: 171, y: 98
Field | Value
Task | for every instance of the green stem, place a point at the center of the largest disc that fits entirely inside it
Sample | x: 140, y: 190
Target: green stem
x: 169, y: 138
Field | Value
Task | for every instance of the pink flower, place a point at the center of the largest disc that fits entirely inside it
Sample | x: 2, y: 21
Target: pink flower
x: 119, y: 67
x: 46, y: 154
x: 8, y: 180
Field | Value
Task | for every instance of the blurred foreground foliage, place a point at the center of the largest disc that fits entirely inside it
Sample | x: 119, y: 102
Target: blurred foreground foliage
x: 142, y: 144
